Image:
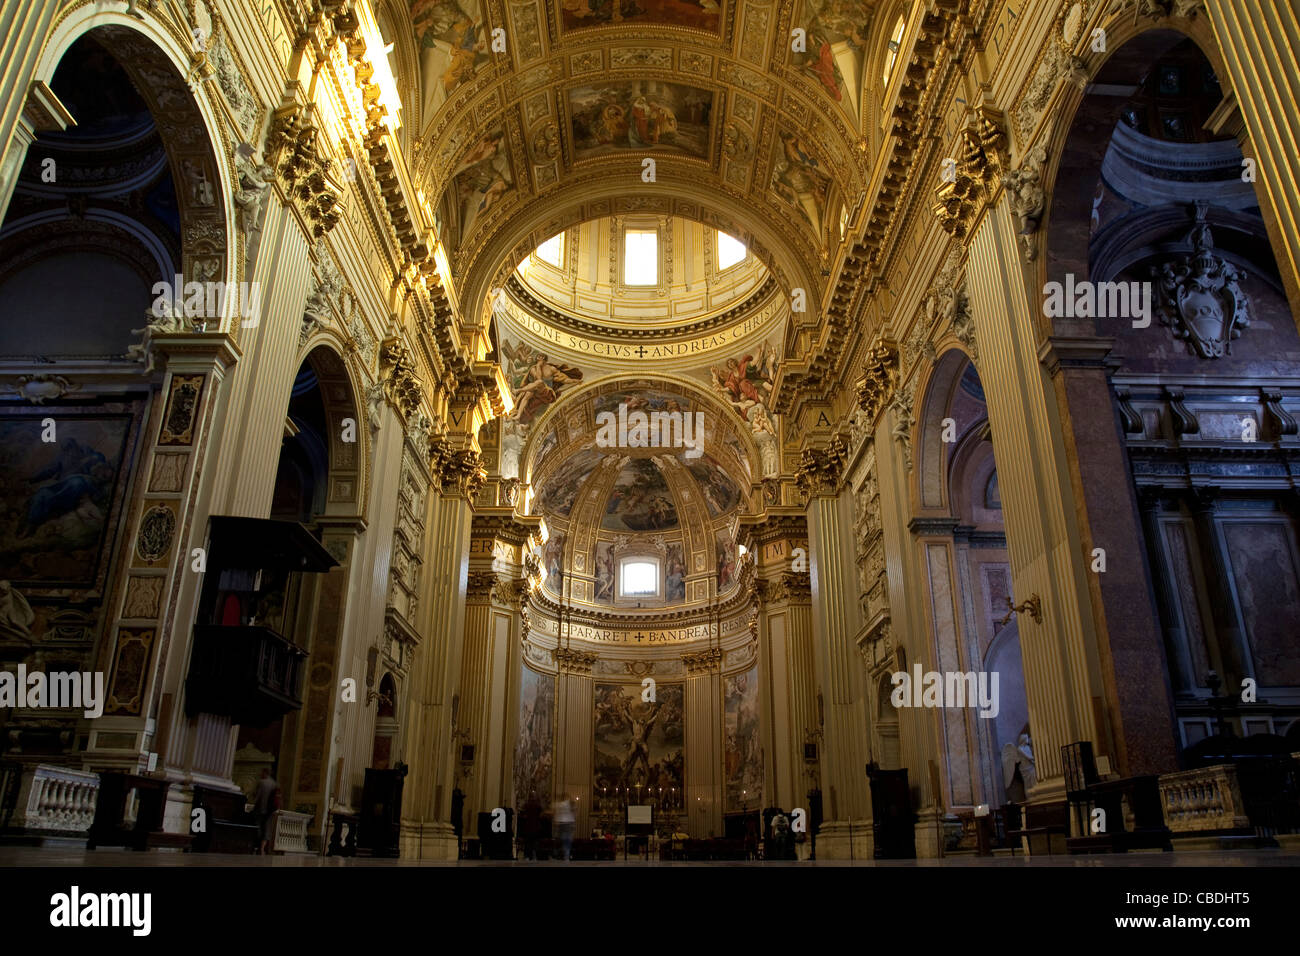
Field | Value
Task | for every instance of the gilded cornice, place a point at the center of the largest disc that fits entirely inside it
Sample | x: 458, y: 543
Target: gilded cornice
x: 504, y: 526
x: 928, y: 74
x: 969, y: 180
x: 536, y: 307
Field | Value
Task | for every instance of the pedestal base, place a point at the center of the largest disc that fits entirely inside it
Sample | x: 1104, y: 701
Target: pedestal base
x: 427, y: 841
x: 845, y: 840
x: 929, y: 834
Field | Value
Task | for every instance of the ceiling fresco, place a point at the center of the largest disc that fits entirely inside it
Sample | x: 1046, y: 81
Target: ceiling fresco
x: 528, y: 118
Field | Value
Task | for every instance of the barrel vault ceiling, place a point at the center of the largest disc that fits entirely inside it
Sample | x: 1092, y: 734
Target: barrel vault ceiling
x: 748, y: 134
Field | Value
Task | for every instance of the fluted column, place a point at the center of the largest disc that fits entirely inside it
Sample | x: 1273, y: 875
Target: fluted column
x: 789, y: 680
x: 24, y: 25
x: 426, y: 801
x: 485, y: 712
x: 703, y: 716
x: 575, y: 705
x: 1044, y: 547
x: 846, y: 799
x: 248, y: 445
x: 1260, y: 43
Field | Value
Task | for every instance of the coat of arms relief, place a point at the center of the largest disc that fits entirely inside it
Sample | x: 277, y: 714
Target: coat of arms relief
x: 1199, y: 296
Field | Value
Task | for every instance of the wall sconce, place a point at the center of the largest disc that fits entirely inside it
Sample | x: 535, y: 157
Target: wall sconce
x: 1033, y: 604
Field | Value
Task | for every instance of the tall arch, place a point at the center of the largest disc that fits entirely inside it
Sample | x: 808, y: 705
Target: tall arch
x: 1149, y: 192
x: 961, y: 550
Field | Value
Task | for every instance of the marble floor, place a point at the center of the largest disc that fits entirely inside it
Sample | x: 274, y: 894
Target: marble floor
x: 73, y: 857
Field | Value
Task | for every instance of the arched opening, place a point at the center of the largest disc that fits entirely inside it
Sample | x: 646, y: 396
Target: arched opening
x: 1156, y: 227
x: 107, y: 202
x: 316, y: 484
x: 963, y: 551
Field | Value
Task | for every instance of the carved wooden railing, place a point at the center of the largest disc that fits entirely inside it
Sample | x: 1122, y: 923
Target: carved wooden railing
x: 1208, y: 798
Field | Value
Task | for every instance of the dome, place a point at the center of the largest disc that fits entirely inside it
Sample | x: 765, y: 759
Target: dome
x: 609, y: 499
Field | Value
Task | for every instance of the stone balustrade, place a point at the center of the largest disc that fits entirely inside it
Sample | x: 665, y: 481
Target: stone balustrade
x: 56, y: 800
x: 1208, y: 798
x: 291, y: 832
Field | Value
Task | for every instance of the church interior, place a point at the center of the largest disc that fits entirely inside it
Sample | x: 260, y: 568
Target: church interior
x: 649, y: 430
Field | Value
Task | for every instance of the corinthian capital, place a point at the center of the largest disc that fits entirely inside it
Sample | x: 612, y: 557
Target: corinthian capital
x: 820, y: 468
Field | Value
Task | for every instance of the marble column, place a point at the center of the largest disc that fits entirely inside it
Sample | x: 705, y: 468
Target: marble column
x: 1140, y: 732
x: 487, y: 671
x: 147, y: 655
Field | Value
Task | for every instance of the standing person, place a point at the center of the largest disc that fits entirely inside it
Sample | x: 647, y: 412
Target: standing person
x: 564, y: 822
x: 780, y: 830
x: 264, y: 808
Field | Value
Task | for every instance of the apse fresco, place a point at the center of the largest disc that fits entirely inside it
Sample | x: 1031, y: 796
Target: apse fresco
x: 743, y: 771
x: 604, y: 573
x: 800, y: 179
x: 453, y: 42
x: 536, y: 381
x: 560, y: 490
x: 640, y: 500
x: 640, y: 115
x: 697, y: 14
x: 834, y: 47
x: 725, y: 548
x: 548, y: 443
x: 57, y: 497
x: 720, y: 492
x: 553, y: 556
x: 481, y: 178
x: 534, y: 747
x: 675, y: 574
x: 638, y: 743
